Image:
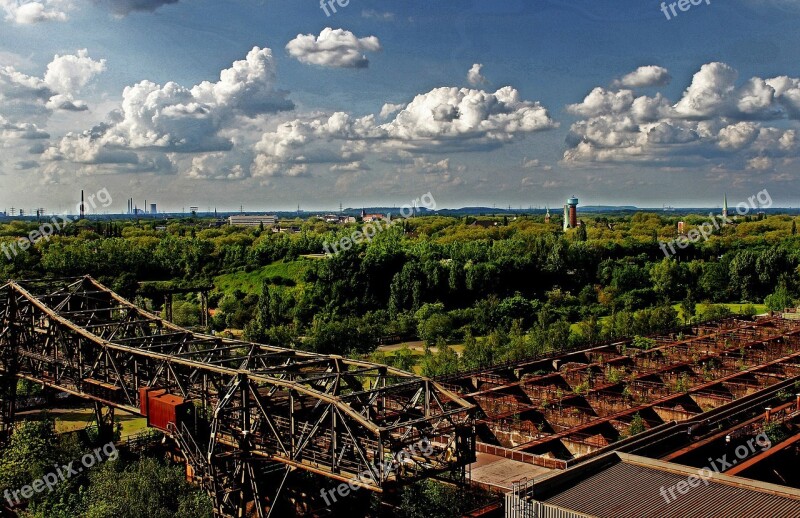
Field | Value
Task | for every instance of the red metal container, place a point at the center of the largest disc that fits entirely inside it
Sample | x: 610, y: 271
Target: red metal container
x: 145, y: 393
x: 168, y: 408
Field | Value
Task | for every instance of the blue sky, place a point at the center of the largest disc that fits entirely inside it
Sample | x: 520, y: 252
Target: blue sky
x: 375, y: 104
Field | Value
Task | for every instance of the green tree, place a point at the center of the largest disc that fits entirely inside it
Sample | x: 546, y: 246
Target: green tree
x: 590, y: 330
x: 779, y: 300
x: 444, y: 361
x: 404, y: 359
x: 341, y: 336
x: 716, y: 312
x: 665, y: 276
x: 185, y: 313
x: 144, y: 488
x: 32, y: 452
x: 437, y: 326
x: 688, y: 307
x: 432, y: 499
x: 580, y: 234
x: 744, y: 276
x: 477, y: 353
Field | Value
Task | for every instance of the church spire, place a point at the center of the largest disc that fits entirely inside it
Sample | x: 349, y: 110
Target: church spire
x: 725, y: 205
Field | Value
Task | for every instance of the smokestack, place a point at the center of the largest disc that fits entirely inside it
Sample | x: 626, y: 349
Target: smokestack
x: 82, y: 210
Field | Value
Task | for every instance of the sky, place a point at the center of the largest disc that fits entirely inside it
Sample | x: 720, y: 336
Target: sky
x: 269, y: 105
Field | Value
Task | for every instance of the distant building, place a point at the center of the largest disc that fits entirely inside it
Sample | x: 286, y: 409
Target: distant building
x: 485, y: 224
x: 153, y: 209
x: 371, y: 218
x: 681, y: 228
x: 286, y: 230
x: 339, y: 220
x: 252, y: 221
x: 547, y: 216
x: 725, y: 206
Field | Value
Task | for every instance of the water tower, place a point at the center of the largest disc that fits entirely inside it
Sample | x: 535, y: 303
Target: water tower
x: 572, y: 203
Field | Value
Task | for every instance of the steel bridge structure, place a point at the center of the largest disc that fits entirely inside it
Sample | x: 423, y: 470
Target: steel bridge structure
x: 253, y: 413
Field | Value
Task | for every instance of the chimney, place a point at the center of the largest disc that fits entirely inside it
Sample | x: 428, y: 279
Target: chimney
x: 82, y: 209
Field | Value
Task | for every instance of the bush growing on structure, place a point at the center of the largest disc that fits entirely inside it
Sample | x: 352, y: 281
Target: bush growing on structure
x: 614, y: 375
x: 643, y: 343
x: 683, y: 383
x: 637, y: 425
x: 582, y: 388
x: 775, y: 431
x: 627, y: 393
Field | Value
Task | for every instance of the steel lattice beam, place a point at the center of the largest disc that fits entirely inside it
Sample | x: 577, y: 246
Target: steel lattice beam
x: 263, y: 405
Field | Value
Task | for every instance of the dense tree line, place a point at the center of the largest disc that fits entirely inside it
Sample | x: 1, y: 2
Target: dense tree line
x: 521, y: 286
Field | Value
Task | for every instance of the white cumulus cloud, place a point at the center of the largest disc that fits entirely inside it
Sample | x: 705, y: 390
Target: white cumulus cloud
x: 475, y: 76
x: 442, y: 120
x: 24, y: 12
x: 30, y: 98
x: 717, y: 116
x: 72, y: 72
x: 333, y: 48
x: 642, y: 77
x: 174, y: 118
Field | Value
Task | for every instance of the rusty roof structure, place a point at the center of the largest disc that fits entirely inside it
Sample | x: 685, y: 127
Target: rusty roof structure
x: 560, y: 410
x: 618, y: 485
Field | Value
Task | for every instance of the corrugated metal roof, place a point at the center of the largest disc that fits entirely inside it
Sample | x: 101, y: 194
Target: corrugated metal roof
x: 633, y: 491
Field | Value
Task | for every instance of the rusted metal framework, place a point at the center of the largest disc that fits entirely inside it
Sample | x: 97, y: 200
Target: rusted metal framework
x: 574, y: 405
x: 260, y: 411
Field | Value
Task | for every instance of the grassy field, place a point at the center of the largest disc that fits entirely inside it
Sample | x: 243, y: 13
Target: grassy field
x: 72, y: 419
x: 418, y: 348
x: 735, y: 307
x: 250, y: 282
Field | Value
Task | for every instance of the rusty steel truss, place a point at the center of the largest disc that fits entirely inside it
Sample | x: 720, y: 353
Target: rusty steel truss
x: 566, y: 408
x: 261, y: 412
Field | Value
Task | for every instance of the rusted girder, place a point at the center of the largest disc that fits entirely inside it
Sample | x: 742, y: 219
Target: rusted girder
x: 252, y: 403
